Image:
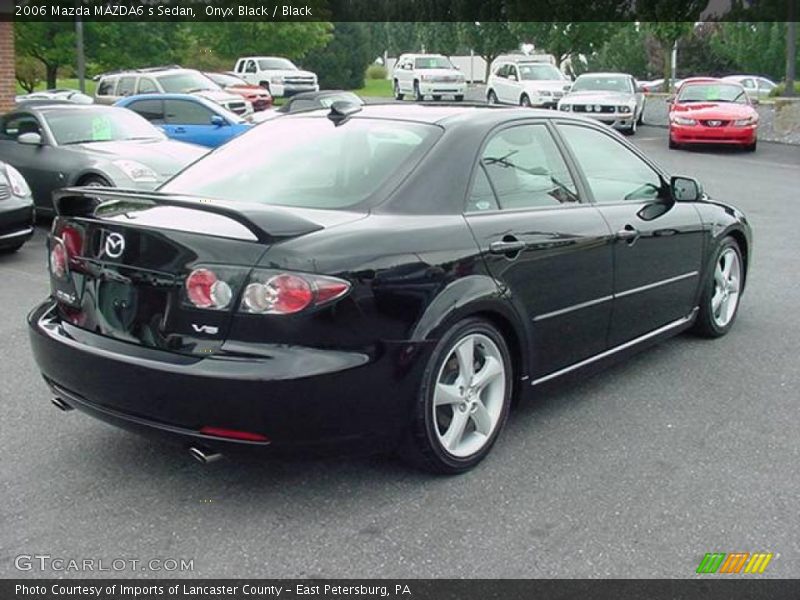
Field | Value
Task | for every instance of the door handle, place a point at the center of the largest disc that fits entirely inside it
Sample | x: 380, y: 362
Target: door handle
x: 507, y: 246
x: 629, y: 233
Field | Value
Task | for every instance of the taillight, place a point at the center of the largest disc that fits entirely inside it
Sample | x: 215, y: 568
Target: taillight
x: 233, y: 434
x: 73, y: 241
x: 58, y: 259
x: 289, y: 293
x: 205, y: 290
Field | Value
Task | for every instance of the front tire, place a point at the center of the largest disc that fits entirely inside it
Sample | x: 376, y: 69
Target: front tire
x: 417, y: 95
x: 459, y: 97
x: 525, y: 101
x: 751, y: 147
x: 11, y: 249
x: 722, y: 290
x: 397, y: 94
x: 95, y: 181
x: 463, y: 401
x: 491, y: 97
x: 437, y: 98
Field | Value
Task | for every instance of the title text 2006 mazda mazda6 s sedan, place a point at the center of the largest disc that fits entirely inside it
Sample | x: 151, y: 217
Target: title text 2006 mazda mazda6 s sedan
x: 385, y: 277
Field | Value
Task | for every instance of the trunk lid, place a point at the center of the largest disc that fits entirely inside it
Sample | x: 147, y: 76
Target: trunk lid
x: 129, y: 254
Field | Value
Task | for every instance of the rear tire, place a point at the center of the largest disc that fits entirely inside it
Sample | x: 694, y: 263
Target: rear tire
x: 459, y: 97
x: 463, y: 401
x: 722, y: 291
x: 491, y: 97
x: 397, y: 94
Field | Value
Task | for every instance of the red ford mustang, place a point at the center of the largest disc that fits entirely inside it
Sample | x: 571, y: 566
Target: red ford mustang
x: 712, y: 111
x: 260, y: 98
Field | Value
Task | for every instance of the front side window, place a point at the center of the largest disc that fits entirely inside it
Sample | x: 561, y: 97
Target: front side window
x: 16, y: 125
x: 614, y: 173
x: 185, y: 112
x: 308, y: 162
x: 526, y: 169
x: 106, y: 87
x: 152, y: 110
x: 187, y: 82
x: 251, y: 67
x: 147, y: 86
x: 540, y: 72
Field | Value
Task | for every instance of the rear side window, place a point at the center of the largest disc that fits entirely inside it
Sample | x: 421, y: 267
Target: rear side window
x: 185, y: 112
x: 147, y: 86
x: 152, y: 110
x: 308, y: 162
x: 126, y: 86
x: 106, y: 87
x: 526, y: 169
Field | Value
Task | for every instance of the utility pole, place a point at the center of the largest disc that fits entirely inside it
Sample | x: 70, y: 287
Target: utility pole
x: 673, y: 65
x: 81, y: 55
x: 791, y: 49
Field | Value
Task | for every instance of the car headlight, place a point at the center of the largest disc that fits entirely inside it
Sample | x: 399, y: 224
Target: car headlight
x: 19, y: 187
x: 744, y: 122
x: 565, y: 107
x: 624, y: 108
x: 136, y: 171
x: 460, y: 78
x: 683, y: 121
x: 426, y: 78
x: 276, y: 79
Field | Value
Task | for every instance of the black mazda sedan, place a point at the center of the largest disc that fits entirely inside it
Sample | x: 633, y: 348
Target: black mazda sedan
x: 385, y: 277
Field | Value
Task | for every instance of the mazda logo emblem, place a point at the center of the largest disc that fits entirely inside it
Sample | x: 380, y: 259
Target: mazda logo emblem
x: 115, y: 245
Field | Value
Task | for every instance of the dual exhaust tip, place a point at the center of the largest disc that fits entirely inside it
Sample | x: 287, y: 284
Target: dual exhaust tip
x: 202, y: 455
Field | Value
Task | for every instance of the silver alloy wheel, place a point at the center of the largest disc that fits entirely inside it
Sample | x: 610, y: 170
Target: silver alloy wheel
x: 727, y: 285
x: 469, y: 395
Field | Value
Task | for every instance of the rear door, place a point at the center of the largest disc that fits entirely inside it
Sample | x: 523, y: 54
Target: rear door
x: 548, y: 247
x: 658, y: 243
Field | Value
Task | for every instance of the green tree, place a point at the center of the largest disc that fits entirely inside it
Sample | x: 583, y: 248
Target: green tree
x: 489, y: 40
x: 51, y: 43
x: 624, y: 52
x: 135, y: 44
x: 564, y: 39
x: 342, y: 63
x: 293, y: 40
x: 29, y: 72
x: 667, y: 34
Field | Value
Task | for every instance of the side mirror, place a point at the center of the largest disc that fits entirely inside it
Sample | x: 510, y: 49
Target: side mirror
x: 218, y: 120
x: 685, y: 189
x: 669, y: 99
x: 30, y: 139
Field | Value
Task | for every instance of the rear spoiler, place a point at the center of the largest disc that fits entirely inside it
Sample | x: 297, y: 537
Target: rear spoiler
x: 267, y: 223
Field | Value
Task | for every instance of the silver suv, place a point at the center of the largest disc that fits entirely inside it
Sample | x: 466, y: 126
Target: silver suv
x: 525, y: 82
x: 167, y: 80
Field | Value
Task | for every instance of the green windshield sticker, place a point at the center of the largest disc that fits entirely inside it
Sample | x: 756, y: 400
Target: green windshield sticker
x: 101, y: 129
x: 712, y: 93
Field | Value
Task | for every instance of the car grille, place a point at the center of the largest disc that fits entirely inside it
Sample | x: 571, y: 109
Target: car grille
x: 592, y: 108
x: 444, y: 78
x: 299, y: 80
x: 237, y: 107
x: 5, y: 192
x: 714, y: 123
x: 558, y: 94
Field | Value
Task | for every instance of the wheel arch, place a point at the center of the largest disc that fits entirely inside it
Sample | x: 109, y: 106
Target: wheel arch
x: 477, y: 296
x: 83, y: 176
x: 744, y: 248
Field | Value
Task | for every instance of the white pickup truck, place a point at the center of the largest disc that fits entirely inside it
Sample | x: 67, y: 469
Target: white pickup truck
x: 278, y: 75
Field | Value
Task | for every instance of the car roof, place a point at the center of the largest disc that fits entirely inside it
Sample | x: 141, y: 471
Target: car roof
x: 44, y: 105
x: 446, y: 115
x: 170, y: 96
x: 604, y: 74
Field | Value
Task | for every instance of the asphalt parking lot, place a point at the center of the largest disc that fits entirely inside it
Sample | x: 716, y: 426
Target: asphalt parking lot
x: 690, y: 448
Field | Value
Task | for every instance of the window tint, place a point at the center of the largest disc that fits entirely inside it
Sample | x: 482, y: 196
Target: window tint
x: 186, y: 112
x: 126, y: 86
x: 251, y: 67
x: 766, y: 84
x: 749, y: 84
x: 152, y: 110
x: 527, y: 169
x: 147, y: 86
x: 614, y: 172
x: 481, y: 196
x: 106, y: 87
x: 15, y: 125
x: 512, y: 71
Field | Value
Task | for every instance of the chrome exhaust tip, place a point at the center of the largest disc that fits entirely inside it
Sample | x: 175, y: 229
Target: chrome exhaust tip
x: 60, y: 404
x: 204, y: 455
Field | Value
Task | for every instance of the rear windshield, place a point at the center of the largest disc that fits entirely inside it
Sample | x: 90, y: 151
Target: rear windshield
x: 308, y: 162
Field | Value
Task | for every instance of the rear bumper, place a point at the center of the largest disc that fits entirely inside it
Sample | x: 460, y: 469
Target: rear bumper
x: 697, y: 134
x: 16, y: 223
x: 303, y: 400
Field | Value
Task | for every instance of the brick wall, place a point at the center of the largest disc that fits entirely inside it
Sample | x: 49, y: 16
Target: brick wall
x: 7, y: 82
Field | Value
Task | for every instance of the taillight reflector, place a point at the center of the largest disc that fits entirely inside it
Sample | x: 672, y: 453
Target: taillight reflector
x: 206, y: 290
x: 234, y: 434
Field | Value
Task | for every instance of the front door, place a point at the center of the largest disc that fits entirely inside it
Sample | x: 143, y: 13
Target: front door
x: 548, y: 248
x: 658, y: 245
